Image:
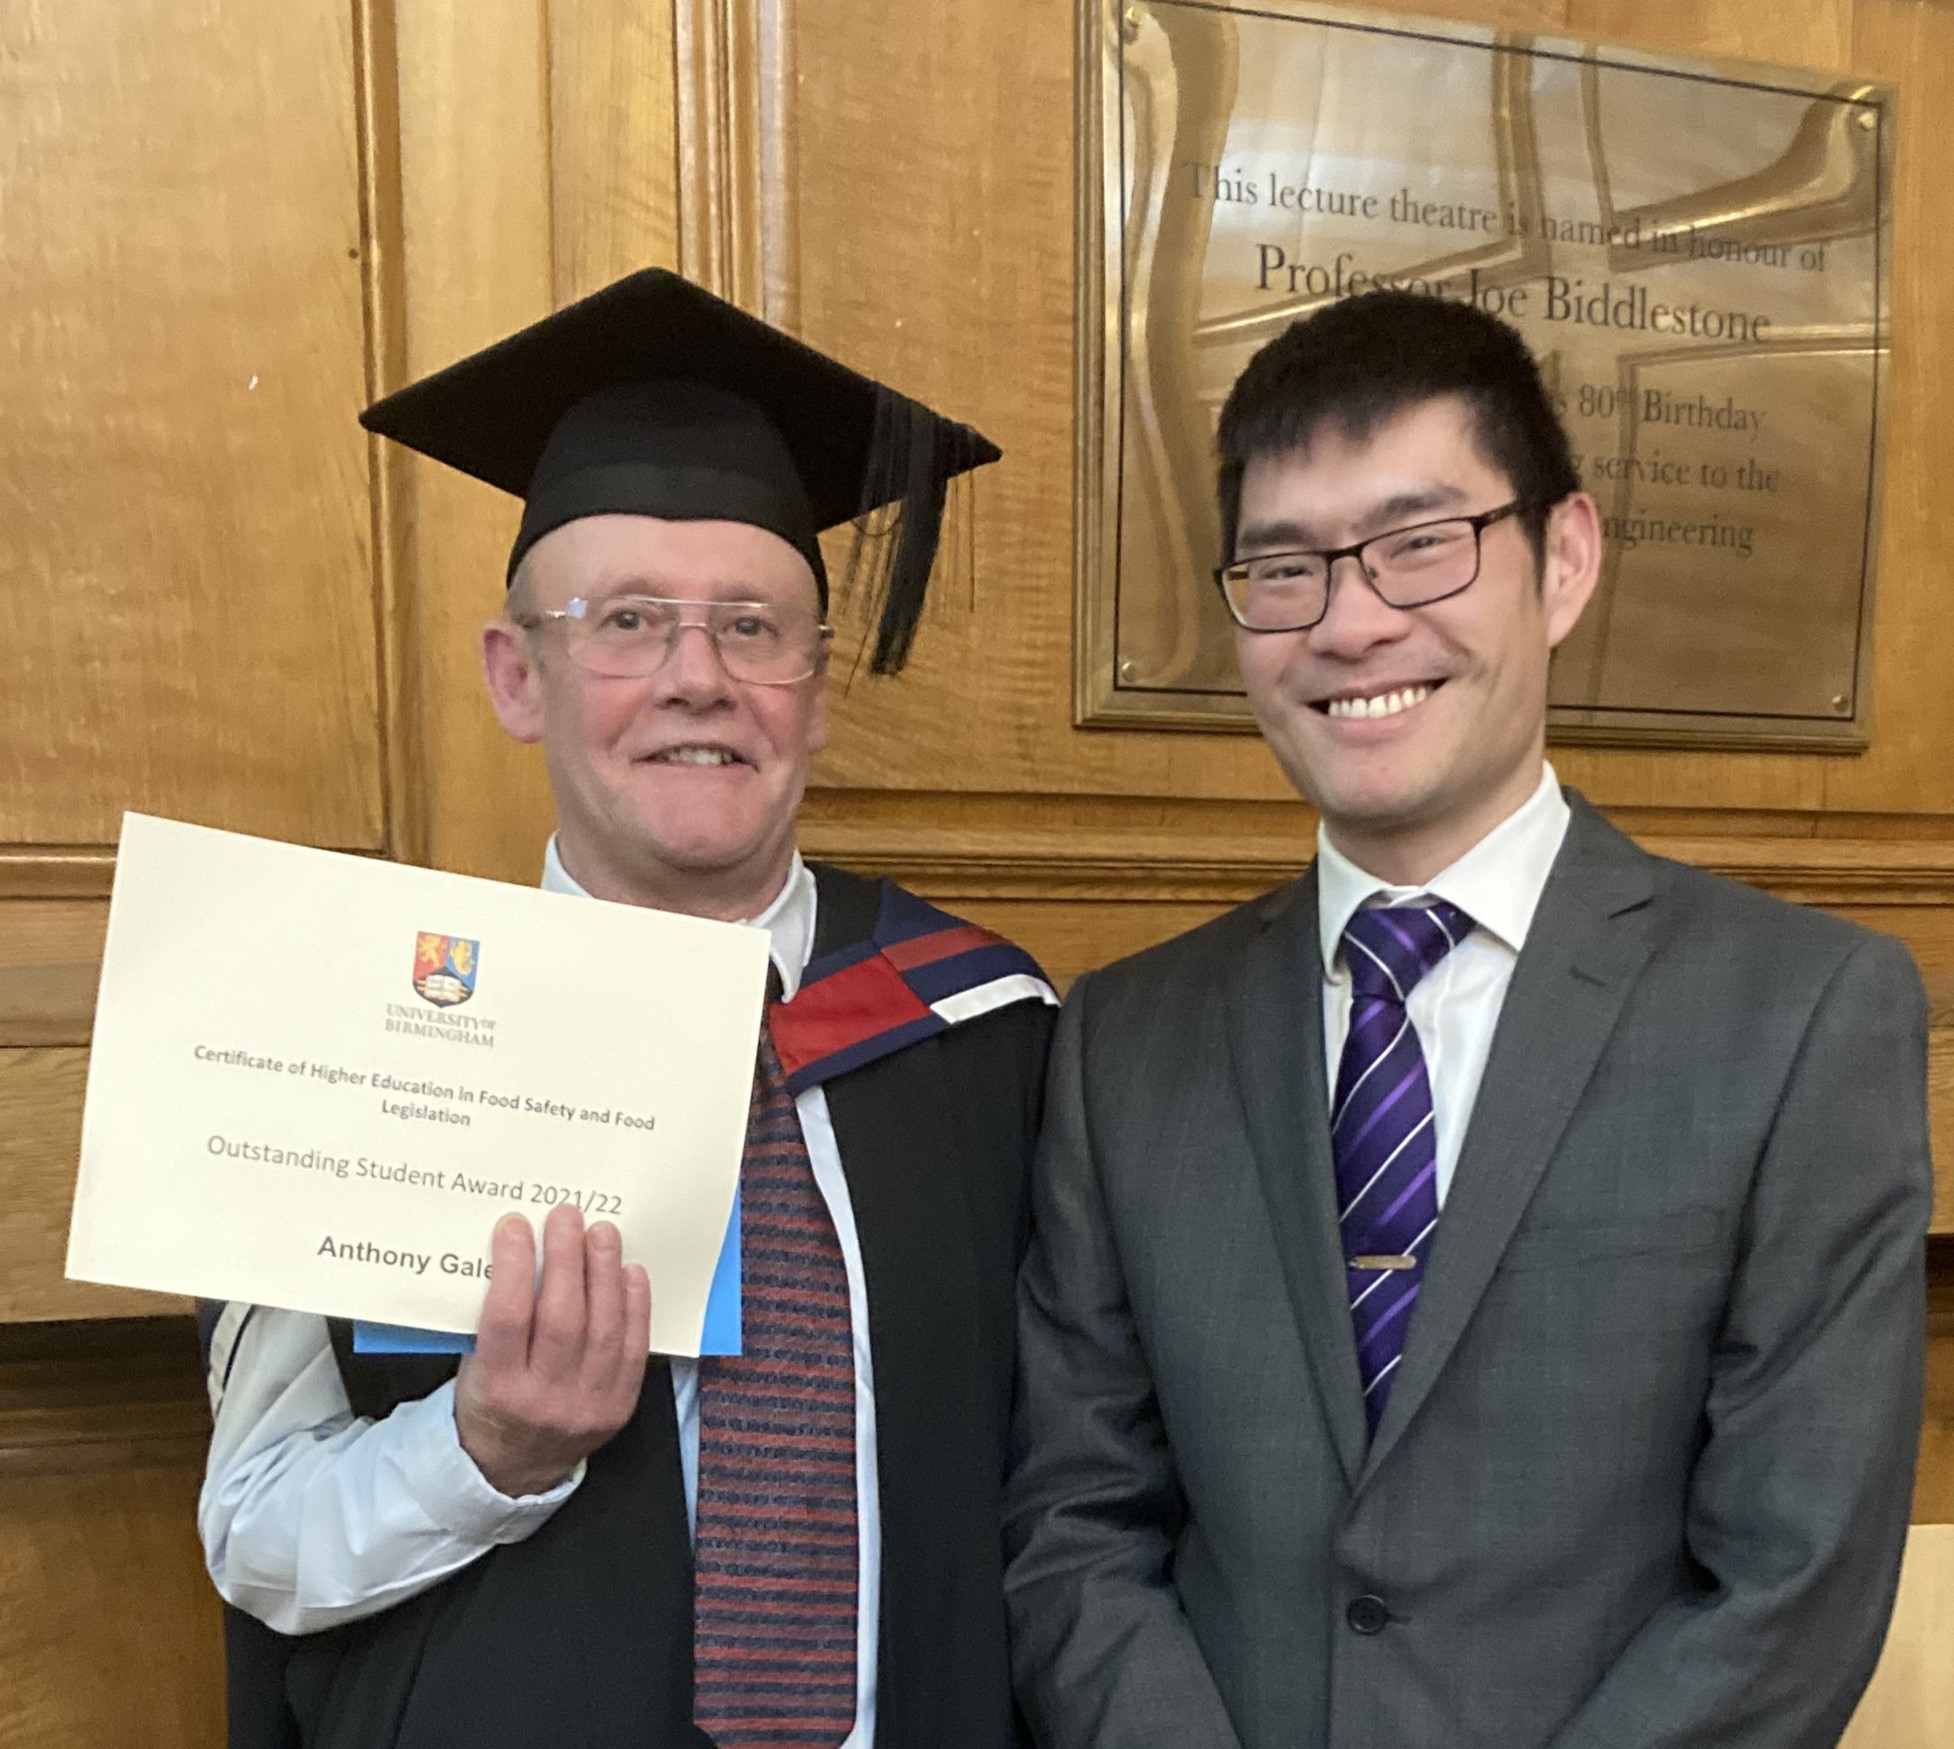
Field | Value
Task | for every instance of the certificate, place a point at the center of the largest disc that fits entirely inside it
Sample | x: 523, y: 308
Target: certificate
x: 318, y: 1080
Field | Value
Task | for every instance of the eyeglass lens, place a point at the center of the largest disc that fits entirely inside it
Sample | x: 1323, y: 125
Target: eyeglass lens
x: 633, y: 636
x: 1406, y: 567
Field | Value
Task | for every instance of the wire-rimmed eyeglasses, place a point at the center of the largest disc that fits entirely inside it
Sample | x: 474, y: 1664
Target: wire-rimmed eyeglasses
x: 629, y: 637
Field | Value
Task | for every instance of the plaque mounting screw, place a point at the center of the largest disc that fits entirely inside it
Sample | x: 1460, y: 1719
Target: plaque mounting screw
x: 1841, y: 703
x: 1868, y: 118
x: 1132, y: 22
x: 1129, y: 671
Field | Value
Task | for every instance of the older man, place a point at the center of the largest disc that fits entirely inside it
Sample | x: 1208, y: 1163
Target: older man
x: 1475, y: 1299
x: 560, y: 1543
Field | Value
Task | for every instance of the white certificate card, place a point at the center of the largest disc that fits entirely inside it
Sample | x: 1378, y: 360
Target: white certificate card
x: 318, y: 1080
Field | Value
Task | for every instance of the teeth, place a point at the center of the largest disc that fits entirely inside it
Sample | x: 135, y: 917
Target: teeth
x: 696, y: 756
x: 1387, y: 704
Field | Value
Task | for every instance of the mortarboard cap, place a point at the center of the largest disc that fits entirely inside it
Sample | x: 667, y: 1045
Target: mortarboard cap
x: 652, y: 397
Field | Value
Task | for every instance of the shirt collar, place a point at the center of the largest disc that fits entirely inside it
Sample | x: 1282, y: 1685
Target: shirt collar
x: 1497, y: 883
x: 788, y: 921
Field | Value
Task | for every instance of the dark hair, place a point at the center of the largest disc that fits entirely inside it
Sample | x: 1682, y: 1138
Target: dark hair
x: 1359, y: 362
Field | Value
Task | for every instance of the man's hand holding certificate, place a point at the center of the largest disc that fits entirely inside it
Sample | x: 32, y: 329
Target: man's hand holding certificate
x: 318, y: 1081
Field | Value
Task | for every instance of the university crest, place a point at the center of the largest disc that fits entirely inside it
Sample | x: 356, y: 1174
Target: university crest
x: 444, y: 968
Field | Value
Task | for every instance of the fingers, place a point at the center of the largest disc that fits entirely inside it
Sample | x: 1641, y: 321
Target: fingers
x: 503, y: 1329
x: 637, y: 1334
x: 556, y: 1339
x: 637, y: 1311
x: 559, y: 1363
x: 604, y: 1298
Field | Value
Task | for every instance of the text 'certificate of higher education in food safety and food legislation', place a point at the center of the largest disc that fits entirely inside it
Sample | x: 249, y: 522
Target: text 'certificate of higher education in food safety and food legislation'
x: 318, y: 1080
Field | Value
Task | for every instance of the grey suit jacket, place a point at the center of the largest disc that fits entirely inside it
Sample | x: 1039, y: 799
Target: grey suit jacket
x: 1645, y: 1473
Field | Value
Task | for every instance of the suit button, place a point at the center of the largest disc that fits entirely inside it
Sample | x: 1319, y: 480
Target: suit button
x: 1367, y: 1615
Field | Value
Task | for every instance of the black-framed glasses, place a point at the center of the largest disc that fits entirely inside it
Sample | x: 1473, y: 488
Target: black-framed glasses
x: 1406, y: 567
x: 629, y: 637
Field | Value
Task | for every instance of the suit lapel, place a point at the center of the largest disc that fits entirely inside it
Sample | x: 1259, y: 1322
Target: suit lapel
x: 1276, y: 1038
x: 1589, y: 941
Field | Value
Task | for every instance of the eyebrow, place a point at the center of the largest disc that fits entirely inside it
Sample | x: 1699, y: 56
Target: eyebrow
x: 651, y: 589
x: 1393, y: 512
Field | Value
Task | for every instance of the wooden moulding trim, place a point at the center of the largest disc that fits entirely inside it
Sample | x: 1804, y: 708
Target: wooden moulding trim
x: 1163, y: 865
x: 1195, y: 868
x: 101, y: 1394
x: 384, y: 305
x: 717, y: 49
x: 48, y: 1004
x: 83, y: 871
x: 56, y: 871
x: 114, y: 1445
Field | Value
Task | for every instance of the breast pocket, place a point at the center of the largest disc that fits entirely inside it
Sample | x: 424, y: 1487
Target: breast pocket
x: 1690, y: 1232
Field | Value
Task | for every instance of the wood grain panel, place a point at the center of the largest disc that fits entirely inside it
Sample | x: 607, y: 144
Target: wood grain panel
x: 111, y: 1393
x: 110, y: 1633
x: 190, y: 628
x: 613, y: 141
x: 1933, y: 1494
x: 941, y: 256
x: 476, y: 227
x: 913, y: 262
x: 50, y: 962
x: 1911, y: 1699
x: 1940, y: 1101
x: 40, y: 1141
x: 1817, y: 33
x: 1908, y: 769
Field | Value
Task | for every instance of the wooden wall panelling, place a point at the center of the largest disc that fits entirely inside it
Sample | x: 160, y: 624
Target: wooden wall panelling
x: 109, y: 1631
x: 1817, y: 33
x: 726, y: 72
x: 40, y: 1137
x: 1940, y: 1099
x: 473, y: 102
x: 189, y: 627
x: 613, y: 141
x: 946, y: 265
x: 50, y: 961
x: 396, y: 624
x: 1908, y: 769
x: 1933, y: 1494
x: 1911, y: 1699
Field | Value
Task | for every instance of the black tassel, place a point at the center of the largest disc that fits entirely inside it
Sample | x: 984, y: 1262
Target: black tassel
x: 918, y: 525
x: 914, y: 458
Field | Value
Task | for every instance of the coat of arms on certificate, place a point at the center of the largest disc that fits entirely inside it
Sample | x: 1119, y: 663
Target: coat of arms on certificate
x: 444, y: 968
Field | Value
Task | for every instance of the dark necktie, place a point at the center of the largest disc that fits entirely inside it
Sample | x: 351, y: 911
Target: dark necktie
x: 1381, y: 1131
x: 775, y: 1540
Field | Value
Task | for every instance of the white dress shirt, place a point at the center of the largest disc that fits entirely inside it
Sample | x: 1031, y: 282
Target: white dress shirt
x: 311, y: 1516
x: 1455, y: 1007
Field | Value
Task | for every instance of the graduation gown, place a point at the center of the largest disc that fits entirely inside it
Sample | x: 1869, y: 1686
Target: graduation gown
x: 582, y: 1634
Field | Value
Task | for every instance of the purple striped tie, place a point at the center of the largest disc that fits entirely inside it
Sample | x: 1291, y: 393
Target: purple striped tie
x: 1381, y: 1131
x: 773, y: 1612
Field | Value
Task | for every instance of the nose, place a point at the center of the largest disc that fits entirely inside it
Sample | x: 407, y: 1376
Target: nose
x: 693, y: 673
x: 1357, y: 618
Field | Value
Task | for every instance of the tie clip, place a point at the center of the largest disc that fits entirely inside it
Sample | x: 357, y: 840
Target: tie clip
x: 1373, y: 1260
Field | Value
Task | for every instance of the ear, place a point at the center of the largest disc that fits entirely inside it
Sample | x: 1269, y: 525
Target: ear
x: 514, y: 676
x: 1570, y: 564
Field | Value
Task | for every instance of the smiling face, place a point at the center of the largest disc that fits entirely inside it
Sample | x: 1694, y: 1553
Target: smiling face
x: 1415, y: 732
x: 678, y: 789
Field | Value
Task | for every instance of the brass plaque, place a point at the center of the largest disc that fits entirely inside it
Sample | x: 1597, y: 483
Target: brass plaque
x: 1698, y: 252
